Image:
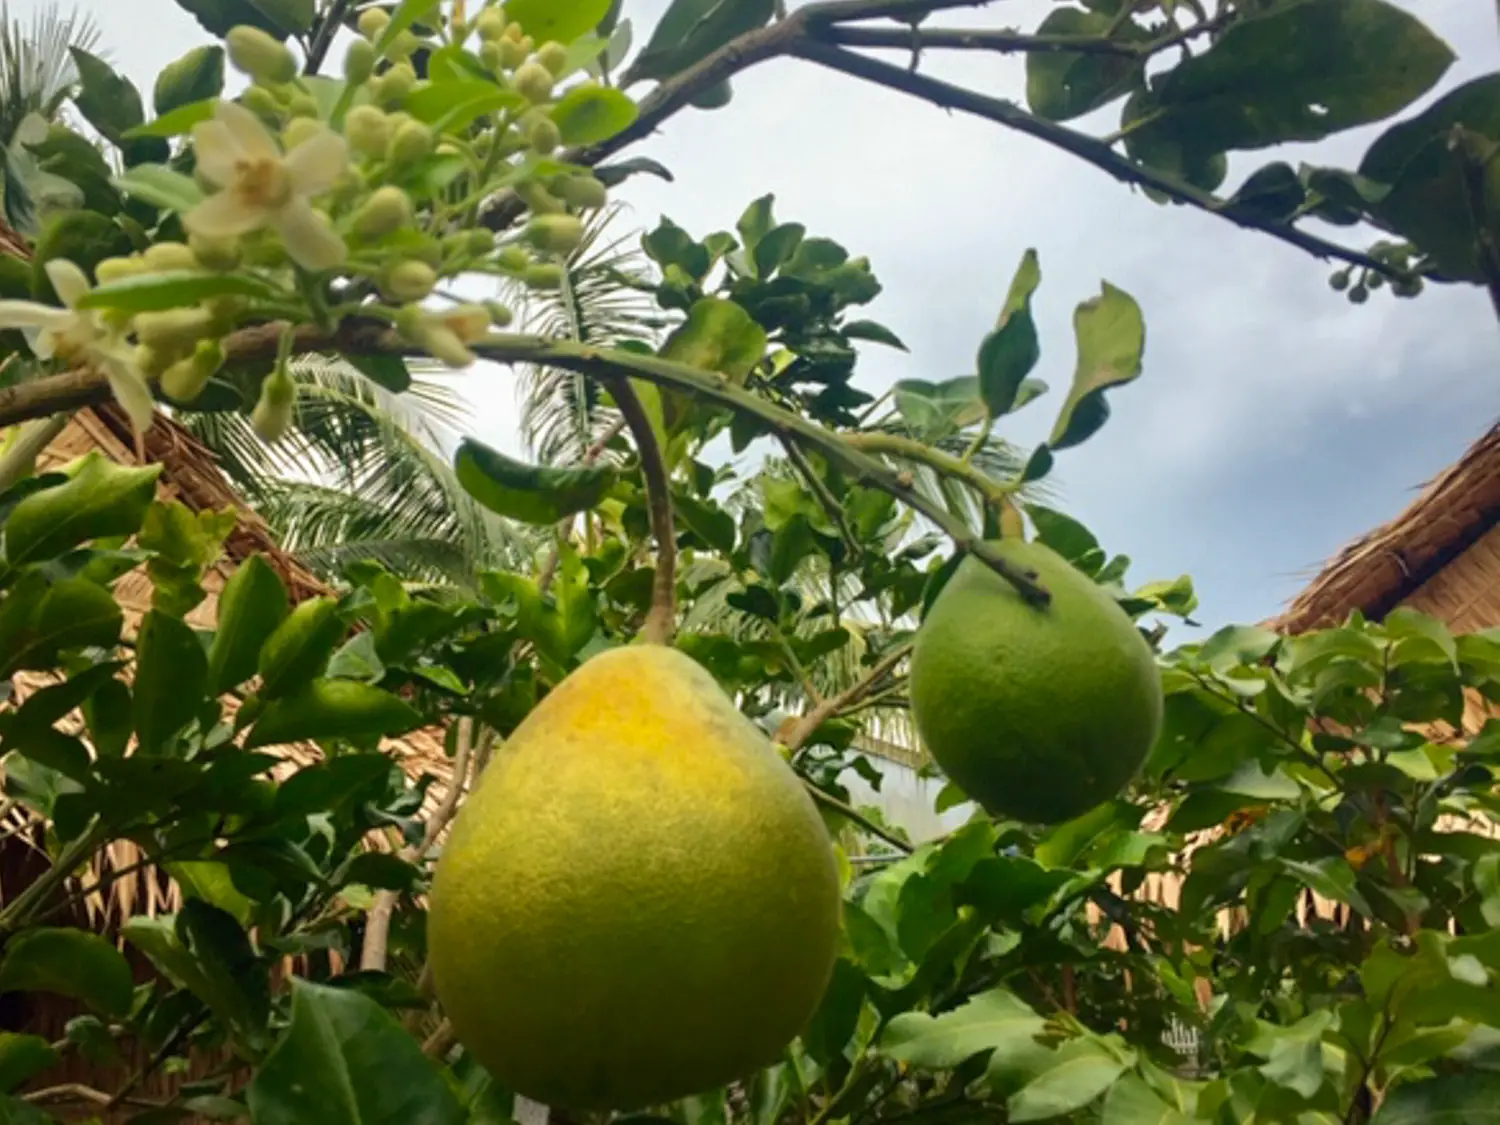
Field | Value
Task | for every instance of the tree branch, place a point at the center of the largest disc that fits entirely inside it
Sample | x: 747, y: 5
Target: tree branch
x: 826, y: 498
x: 894, y: 445
x: 328, y: 28
x: 1003, y: 40
x: 1086, y: 148
x: 590, y: 455
x: 808, y: 725
x: 850, y: 813
x: 661, y: 622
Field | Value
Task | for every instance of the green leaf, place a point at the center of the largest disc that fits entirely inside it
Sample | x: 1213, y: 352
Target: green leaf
x: 46, y: 706
x: 870, y: 330
x: 1271, y: 194
x: 586, y: 115
x: 534, y: 494
x: 690, y: 30
x: 1065, y: 84
x: 1081, y: 1070
x: 1452, y: 1099
x: 357, y: 660
x: 1008, y: 354
x: 1296, y: 1058
x: 193, y: 79
x: 777, y: 247
x: 22, y: 1057
x: 560, y: 20
x: 300, y: 647
x: 38, y: 623
x: 388, y: 371
x: 289, y: 17
x: 718, y: 335
x: 1111, y: 339
x: 170, y: 678
x: 937, y: 410
x: 1132, y: 1102
x: 252, y: 605
x: 160, y: 186
x: 1331, y: 877
x: 69, y: 963
x: 344, y: 1060
x: 1297, y: 73
x: 180, y: 122
x: 176, y: 289
x: 995, y: 1021
x: 109, y: 102
x: 101, y: 499
x: 454, y: 104
x: 707, y: 521
x: 183, y: 545
x: 381, y: 871
x: 326, y: 709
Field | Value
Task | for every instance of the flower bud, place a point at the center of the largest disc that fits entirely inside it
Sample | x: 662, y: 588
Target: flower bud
x: 544, y: 136
x: 387, y: 210
x: 490, y: 24
x: 261, y: 102
x: 368, y: 130
x: 403, y: 47
x: 479, y: 242
x: 558, y: 233
x: 277, y: 406
x: 500, y: 315
x: 373, y: 22
x: 152, y: 362
x: 173, y: 328
x: 165, y: 256
x: 112, y: 270
x: 395, y: 85
x: 303, y: 106
x: 491, y: 55
x: 539, y: 199
x: 534, y: 81
x: 185, y: 379
x: 554, y: 56
x: 301, y: 129
x: 412, y: 142
x: 359, y: 61
x: 512, y: 54
x: 260, y: 55
x: 513, y: 259
x: 219, y: 254
x: 514, y: 32
x: 583, y: 192
x: 544, y: 275
x: 408, y: 281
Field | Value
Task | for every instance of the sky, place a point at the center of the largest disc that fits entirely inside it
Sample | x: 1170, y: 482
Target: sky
x: 1273, y: 421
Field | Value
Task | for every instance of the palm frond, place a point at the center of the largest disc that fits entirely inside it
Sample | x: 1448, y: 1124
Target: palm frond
x: 36, y: 69
x: 601, y: 302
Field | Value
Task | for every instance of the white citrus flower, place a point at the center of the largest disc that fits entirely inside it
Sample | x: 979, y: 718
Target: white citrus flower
x: 260, y: 186
x: 81, y: 338
x: 447, y: 334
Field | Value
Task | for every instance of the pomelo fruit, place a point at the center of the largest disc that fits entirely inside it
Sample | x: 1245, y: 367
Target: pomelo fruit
x: 1037, y: 713
x: 639, y: 901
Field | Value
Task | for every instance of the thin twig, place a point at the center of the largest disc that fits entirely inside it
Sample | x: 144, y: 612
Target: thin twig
x: 328, y: 28
x: 374, y: 953
x: 661, y: 622
x: 808, y: 725
x: 436, y: 1045
x: 77, y: 1092
x: 894, y: 445
x: 826, y: 498
x: 850, y: 813
x: 1001, y: 40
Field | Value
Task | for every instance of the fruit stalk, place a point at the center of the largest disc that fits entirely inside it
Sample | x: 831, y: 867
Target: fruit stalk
x: 661, y: 621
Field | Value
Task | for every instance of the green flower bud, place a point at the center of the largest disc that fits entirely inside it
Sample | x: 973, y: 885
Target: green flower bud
x: 554, y: 56
x: 387, y: 210
x: 534, y: 81
x: 152, y: 362
x: 373, y: 22
x: 1359, y: 295
x: 410, y: 320
x: 300, y: 129
x: 1339, y: 281
x: 220, y: 254
x: 403, y: 47
x: 540, y: 200
x: 514, y: 32
x: 359, y: 61
x: 479, y: 242
x: 1374, y: 280
x: 173, y: 329
x: 185, y: 379
x: 491, y: 55
x: 277, y: 406
x: 544, y: 136
x: 513, y: 259
x: 408, y: 281
x: 395, y: 85
x: 261, y: 102
x: 500, y: 315
x: 490, y: 24
x: 112, y: 270
x: 558, y: 233
x: 583, y: 192
x: 368, y: 130
x: 544, y: 275
x: 512, y: 54
x: 1407, y: 286
x: 412, y: 142
x: 303, y: 106
x: 165, y: 256
x: 528, y: 43
x: 260, y: 55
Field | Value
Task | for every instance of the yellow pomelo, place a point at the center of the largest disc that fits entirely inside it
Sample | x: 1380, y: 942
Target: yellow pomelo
x: 639, y: 901
x: 1038, y: 713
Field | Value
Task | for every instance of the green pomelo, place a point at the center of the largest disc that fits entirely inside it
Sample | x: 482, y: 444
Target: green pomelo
x: 639, y: 902
x: 1037, y: 713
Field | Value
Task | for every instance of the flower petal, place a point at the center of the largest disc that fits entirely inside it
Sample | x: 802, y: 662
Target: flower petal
x: 29, y: 314
x: 71, y: 283
x: 249, y: 134
x: 216, y: 151
x: 128, y: 386
x: 225, y: 215
x: 318, y: 163
x: 309, y: 237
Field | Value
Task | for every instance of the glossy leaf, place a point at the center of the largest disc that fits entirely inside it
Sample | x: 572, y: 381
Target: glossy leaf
x: 160, y: 186
x: 109, y: 102
x: 559, y: 20
x: 170, y: 678
x: 531, y: 493
x: 344, y: 1060
x: 21, y: 1057
x: 1458, y: 1099
x: 586, y: 115
x: 176, y: 289
x: 1061, y: 85
x: 69, y: 963
x: 1080, y: 1072
x: 720, y: 336
x: 196, y: 77
x: 300, y: 647
x: 693, y: 29
x: 252, y: 605
x: 995, y: 1021
x: 1008, y: 354
x: 38, y: 622
x: 332, y: 709
x: 101, y: 499
x: 1111, y: 339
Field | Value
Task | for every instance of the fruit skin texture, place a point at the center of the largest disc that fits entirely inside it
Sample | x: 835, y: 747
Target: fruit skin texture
x: 1038, y: 714
x: 639, y: 902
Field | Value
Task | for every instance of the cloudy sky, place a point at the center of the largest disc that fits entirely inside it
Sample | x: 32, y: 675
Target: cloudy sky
x: 1274, y: 420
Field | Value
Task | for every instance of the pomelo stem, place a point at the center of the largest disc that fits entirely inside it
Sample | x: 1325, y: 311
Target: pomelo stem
x: 661, y: 621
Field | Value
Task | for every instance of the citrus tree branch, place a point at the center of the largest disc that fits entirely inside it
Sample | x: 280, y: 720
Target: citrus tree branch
x: 1002, y: 40
x: 661, y: 622
x: 835, y: 705
x: 590, y: 455
x: 373, y: 338
x: 328, y: 28
x: 894, y: 445
x: 850, y: 813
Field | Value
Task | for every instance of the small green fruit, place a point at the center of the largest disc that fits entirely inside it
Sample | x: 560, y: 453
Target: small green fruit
x: 501, y: 316
x: 1359, y: 294
x: 513, y: 259
x: 560, y: 234
x: 1339, y: 280
x: 260, y: 55
x: 1039, y: 713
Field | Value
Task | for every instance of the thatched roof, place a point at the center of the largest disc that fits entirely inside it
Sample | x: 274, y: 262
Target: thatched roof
x: 1414, y: 559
